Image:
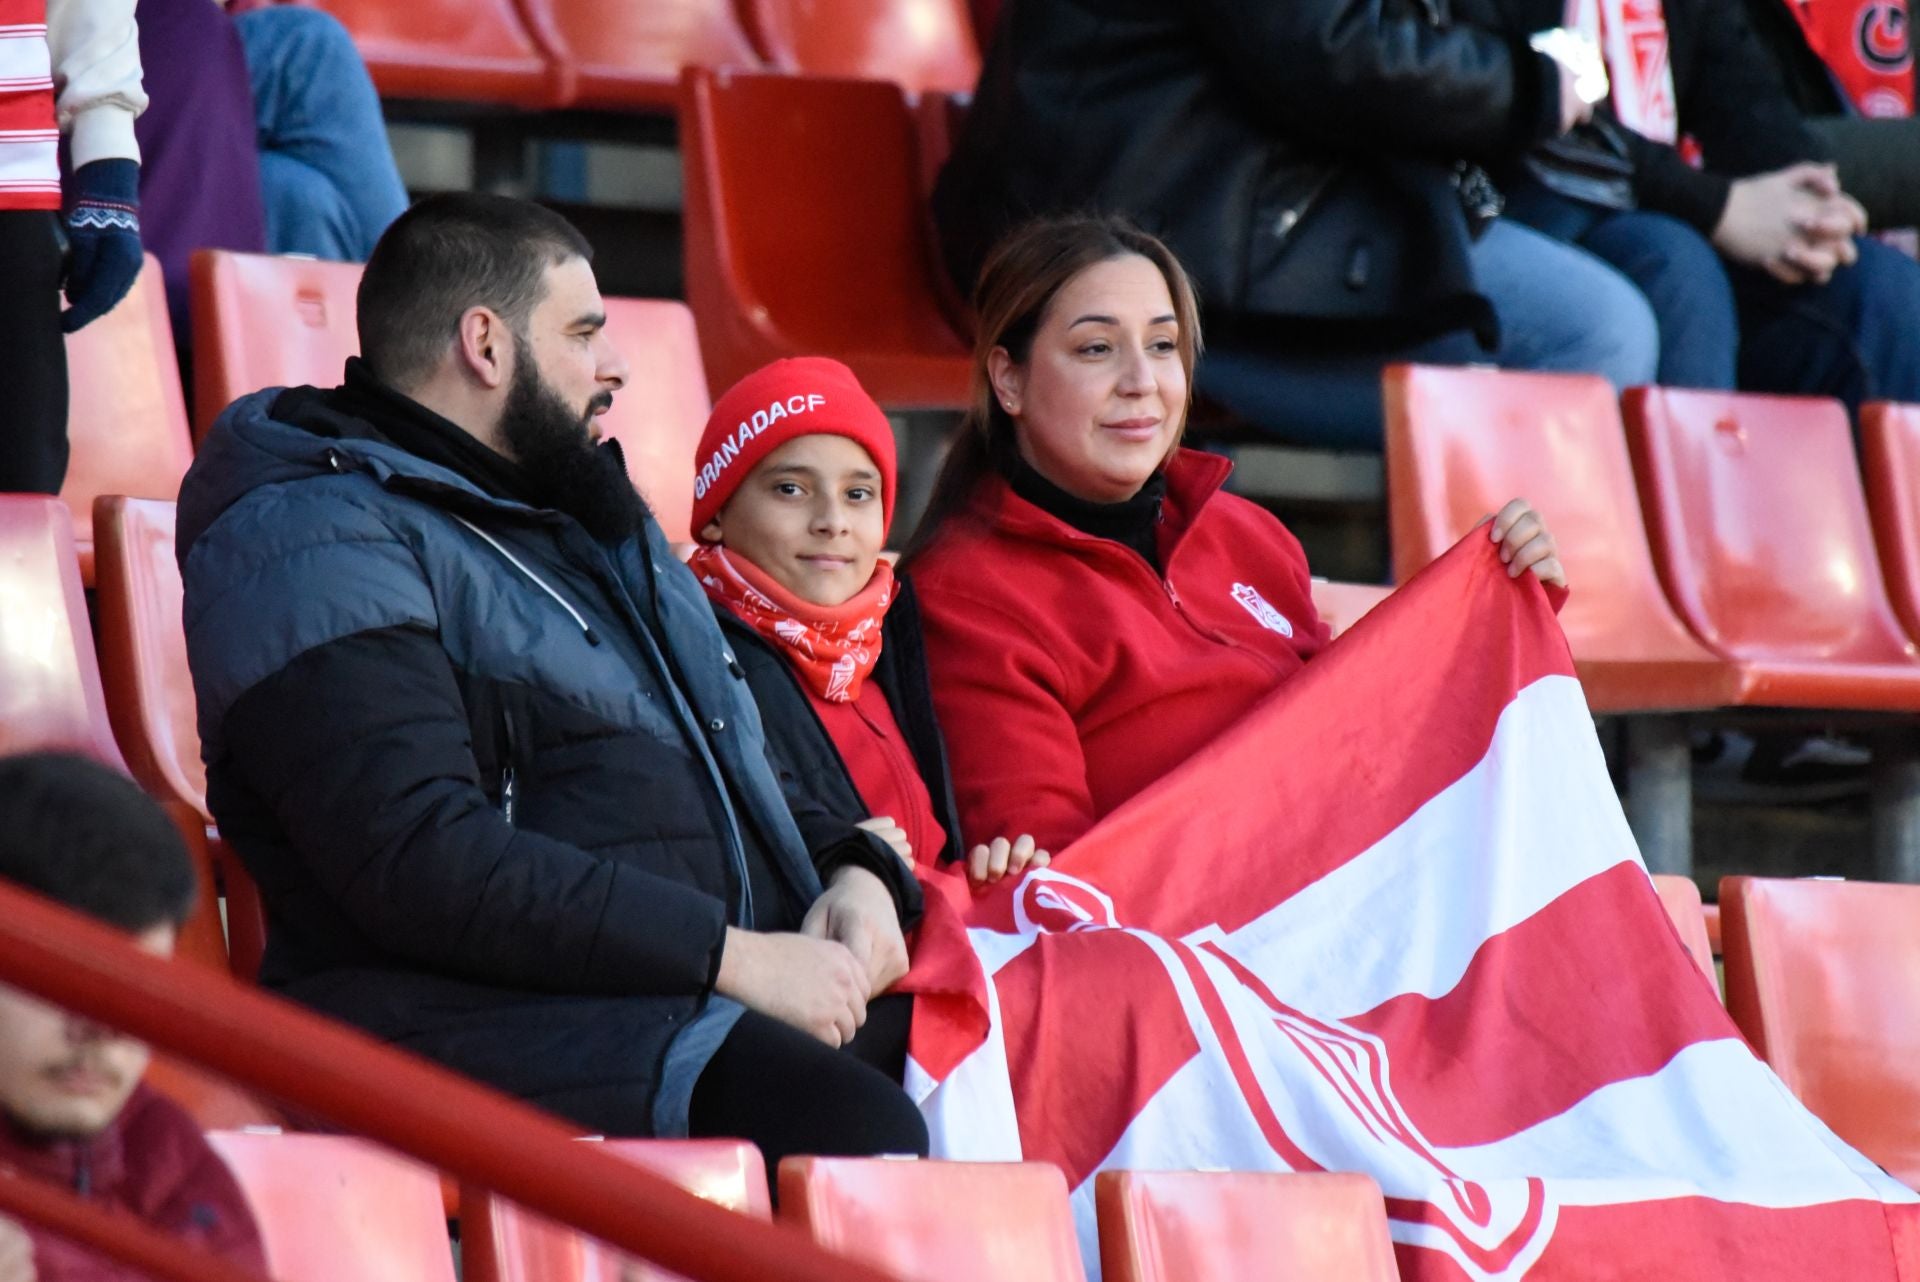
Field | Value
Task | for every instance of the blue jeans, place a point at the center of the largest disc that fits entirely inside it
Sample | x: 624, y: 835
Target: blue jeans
x: 326, y: 170
x: 1560, y: 309
x: 1723, y: 325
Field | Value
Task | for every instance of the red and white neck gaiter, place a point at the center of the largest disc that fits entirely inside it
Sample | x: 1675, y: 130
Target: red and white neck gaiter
x: 833, y: 647
x: 29, y: 139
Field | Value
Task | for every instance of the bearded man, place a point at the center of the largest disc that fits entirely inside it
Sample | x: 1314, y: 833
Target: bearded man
x: 472, y: 728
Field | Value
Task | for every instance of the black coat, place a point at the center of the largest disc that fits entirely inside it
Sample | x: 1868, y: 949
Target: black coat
x: 1297, y: 156
x: 500, y: 783
x: 803, y: 753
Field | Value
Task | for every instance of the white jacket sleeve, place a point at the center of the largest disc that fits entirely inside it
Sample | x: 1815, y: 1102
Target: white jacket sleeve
x: 95, y: 50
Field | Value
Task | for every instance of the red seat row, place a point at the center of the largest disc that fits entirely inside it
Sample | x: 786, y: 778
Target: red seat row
x: 333, y: 1207
x: 620, y: 55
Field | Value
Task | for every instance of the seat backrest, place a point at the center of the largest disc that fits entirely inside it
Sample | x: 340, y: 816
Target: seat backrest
x: 50, y: 695
x: 1759, y: 525
x: 143, y: 648
x: 616, y: 54
x: 263, y: 320
x: 937, y: 1221
x: 1461, y: 442
x: 1824, y: 979
x: 659, y: 415
x: 1890, y: 459
x: 658, y: 418
x: 451, y: 50
x: 331, y: 1207
x: 127, y: 419
x: 1681, y: 898
x: 919, y: 44
x: 501, y: 1242
x: 1220, y: 1226
x: 841, y: 264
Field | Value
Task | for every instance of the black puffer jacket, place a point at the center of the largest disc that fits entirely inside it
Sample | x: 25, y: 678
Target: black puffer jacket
x: 801, y: 750
x: 502, y: 786
x: 1297, y: 156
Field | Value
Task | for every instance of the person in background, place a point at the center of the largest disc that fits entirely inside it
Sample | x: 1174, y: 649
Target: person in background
x: 793, y: 500
x: 69, y: 71
x: 73, y: 1109
x: 1096, y: 608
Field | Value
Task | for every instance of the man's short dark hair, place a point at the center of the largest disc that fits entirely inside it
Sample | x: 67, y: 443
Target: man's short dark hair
x: 88, y: 838
x: 447, y: 254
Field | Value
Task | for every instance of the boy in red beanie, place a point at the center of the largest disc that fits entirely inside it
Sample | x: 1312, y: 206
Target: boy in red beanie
x: 793, y: 497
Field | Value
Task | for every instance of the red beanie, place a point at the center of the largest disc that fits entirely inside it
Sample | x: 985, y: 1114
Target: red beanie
x: 801, y: 396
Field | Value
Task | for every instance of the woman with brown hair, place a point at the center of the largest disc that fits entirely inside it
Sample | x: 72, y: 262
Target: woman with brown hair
x: 1095, y: 607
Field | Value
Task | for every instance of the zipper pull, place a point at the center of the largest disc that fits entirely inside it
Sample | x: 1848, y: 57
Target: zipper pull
x: 507, y: 794
x: 1172, y: 595
x: 508, y: 779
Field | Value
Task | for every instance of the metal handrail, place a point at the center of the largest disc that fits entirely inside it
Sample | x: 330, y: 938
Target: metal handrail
x: 352, y: 1081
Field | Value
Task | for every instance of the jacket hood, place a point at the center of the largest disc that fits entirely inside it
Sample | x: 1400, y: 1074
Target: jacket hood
x: 282, y: 435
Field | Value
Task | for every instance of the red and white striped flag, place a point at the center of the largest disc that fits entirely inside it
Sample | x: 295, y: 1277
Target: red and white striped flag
x: 1393, y: 921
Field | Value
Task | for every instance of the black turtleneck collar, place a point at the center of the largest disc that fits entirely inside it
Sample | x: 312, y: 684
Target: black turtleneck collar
x: 419, y: 431
x: 1134, y: 522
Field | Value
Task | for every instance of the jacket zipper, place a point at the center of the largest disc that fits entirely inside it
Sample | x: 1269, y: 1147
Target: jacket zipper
x: 593, y: 638
x: 508, y: 780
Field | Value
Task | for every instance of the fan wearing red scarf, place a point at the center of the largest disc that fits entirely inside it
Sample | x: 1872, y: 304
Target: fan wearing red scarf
x: 792, y: 503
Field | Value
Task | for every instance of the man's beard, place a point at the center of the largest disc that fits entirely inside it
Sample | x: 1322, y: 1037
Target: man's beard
x: 566, y: 471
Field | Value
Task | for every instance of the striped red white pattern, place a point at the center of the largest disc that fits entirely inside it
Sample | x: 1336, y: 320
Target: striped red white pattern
x: 29, y: 141
x: 1393, y: 921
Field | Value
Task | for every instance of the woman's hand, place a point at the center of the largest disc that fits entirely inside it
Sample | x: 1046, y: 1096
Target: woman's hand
x: 988, y: 864
x: 883, y: 827
x: 1526, y: 545
x: 16, y: 1253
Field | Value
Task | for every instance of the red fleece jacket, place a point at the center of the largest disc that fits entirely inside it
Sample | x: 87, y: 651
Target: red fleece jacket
x: 1068, y: 675
x: 153, y: 1164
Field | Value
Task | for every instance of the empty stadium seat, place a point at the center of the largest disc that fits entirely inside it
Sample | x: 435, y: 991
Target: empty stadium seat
x: 500, y: 1242
x: 1759, y: 528
x: 331, y: 1208
x: 804, y: 234
x: 1890, y: 458
x: 620, y: 55
x: 937, y: 1221
x: 1220, y: 1226
x: 474, y: 51
x: 1681, y: 898
x: 50, y: 695
x: 1340, y: 605
x: 263, y: 320
x: 150, y: 701
x: 1461, y: 442
x: 918, y: 44
x: 1823, y: 977
x: 240, y: 347
x: 127, y: 420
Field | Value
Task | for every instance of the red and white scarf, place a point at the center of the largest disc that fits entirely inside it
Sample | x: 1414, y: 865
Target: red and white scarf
x: 833, y: 647
x: 1868, y: 46
x: 1632, y: 35
x: 29, y: 140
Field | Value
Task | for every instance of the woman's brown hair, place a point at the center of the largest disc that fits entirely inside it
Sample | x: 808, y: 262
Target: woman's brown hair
x: 1018, y: 283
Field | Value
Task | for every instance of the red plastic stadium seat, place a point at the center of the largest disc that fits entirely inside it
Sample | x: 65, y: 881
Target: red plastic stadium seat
x: 1461, y: 442
x: 1890, y: 454
x: 657, y: 418
x: 260, y: 320
x: 1681, y: 898
x: 452, y: 50
x: 1340, y: 605
x: 1220, y: 1226
x: 1759, y: 528
x: 332, y: 1208
x: 500, y: 1242
x: 937, y: 1221
x: 623, y: 55
x: 50, y: 696
x: 804, y: 234
x: 127, y: 421
x: 1824, y: 979
x: 918, y: 44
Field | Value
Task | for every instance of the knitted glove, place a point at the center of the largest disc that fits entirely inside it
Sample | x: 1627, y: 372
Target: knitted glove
x: 103, y: 226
